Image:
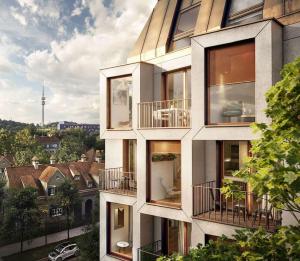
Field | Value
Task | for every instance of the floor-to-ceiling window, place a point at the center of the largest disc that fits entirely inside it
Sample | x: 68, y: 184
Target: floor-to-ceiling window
x: 120, y: 103
x: 120, y: 230
x: 231, y: 84
x: 164, y: 172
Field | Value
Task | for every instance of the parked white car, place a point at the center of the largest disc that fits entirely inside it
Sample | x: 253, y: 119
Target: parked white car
x: 63, y: 251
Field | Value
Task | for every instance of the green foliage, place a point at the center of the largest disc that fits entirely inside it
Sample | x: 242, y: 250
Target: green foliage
x: 68, y: 198
x: 5, y: 141
x: 2, y: 193
x: 89, y: 244
x: 71, y: 146
x: 21, y: 214
x: 13, y: 126
x: 276, y: 154
x: 248, y: 245
x: 232, y: 190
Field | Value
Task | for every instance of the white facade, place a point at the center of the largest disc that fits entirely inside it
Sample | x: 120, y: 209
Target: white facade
x: 198, y: 142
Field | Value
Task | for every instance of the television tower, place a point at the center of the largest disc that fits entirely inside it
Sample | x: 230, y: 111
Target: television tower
x: 43, y: 105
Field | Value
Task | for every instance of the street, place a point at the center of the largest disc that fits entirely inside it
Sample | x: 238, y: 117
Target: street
x: 68, y: 259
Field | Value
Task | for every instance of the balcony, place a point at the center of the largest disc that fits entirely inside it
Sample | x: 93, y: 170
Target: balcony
x: 115, y: 180
x: 150, y: 252
x: 241, y: 208
x: 165, y: 114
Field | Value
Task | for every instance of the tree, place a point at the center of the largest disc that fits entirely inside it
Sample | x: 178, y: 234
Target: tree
x: 89, y: 244
x: 67, y: 198
x: 71, y: 146
x: 248, y: 245
x: 2, y: 194
x: 5, y: 141
x: 21, y: 214
x: 274, y: 168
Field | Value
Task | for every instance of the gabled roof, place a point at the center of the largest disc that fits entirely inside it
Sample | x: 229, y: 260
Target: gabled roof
x: 47, y: 140
x: 28, y: 181
x: 44, y: 172
x: 48, y: 173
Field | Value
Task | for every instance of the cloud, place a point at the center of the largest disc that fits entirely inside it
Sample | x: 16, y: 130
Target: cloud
x: 70, y: 67
x: 30, y: 4
x: 18, y: 16
x: 5, y: 65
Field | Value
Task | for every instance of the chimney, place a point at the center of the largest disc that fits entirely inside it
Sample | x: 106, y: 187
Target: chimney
x: 35, y: 162
x: 98, y: 156
x: 52, y: 159
x: 83, y: 158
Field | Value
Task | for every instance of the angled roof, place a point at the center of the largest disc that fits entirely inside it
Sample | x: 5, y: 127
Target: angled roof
x: 47, y: 140
x: 28, y: 181
x: 87, y: 170
x: 48, y: 173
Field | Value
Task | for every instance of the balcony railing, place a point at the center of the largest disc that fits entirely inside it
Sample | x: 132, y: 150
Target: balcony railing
x: 150, y: 252
x: 240, y: 208
x: 117, y: 181
x: 165, y: 114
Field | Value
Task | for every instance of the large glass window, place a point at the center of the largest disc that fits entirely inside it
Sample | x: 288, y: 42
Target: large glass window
x: 120, y: 230
x: 178, y: 85
x: 120, y: 103
x: 234, y: 155
x: 186, y: 21
x: 231, y: 84
x: 129, y: 159
x: 245, y: 11
x: 165, y: 172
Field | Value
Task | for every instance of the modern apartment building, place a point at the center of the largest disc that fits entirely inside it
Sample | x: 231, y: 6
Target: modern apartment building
x: 176, y: 119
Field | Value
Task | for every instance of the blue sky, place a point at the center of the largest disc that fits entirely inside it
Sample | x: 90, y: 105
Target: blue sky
x: 62, y: 43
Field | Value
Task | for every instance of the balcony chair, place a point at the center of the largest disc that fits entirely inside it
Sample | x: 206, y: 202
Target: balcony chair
x: 218, y: 205
x: 261, y: 212
x: 172, y: 192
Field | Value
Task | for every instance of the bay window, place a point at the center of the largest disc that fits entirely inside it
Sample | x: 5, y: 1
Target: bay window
x: 120, y: 103
x: 231, y: 84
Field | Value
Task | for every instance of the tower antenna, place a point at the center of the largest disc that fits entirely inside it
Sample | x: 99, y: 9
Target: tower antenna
x: 43, y: 105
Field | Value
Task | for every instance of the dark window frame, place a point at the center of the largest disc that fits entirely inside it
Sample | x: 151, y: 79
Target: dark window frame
x: 187, y: 34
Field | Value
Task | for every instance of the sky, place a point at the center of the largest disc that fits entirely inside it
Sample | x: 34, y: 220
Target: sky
x: 62, y: 44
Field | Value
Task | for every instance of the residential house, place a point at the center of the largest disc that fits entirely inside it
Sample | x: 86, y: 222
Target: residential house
x: 5, y: 161
x: 47, y: 178
x: 176, y: 123
x: 50, y: 144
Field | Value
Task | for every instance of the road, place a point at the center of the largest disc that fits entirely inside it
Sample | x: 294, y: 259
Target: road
x: 69, y: 259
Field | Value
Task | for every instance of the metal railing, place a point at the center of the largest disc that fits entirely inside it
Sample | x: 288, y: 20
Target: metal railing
x: 118, y: 181
x: 150, y: 252
x: 165, y: 114
x: 240, y: 208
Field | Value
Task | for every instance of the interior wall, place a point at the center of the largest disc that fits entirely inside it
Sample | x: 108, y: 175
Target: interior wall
x: 113, y: 153
x: 147, y: 232
x: 119, y: 234
x: 198, y: 162
x: 211, y: 160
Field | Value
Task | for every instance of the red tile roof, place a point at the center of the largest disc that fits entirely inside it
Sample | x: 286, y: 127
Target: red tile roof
x: 44, y: 172
x: 28, y: 181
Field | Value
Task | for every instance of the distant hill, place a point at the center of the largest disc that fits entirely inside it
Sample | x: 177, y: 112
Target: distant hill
x: 13, y: 125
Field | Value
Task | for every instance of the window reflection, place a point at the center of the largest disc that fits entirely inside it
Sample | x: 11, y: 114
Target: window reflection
x: 120, y: 103
x: 245, y: 11
x: 185, y: 24
x: 231, y: 84
x: 165, y: 172
x: 235, y: 153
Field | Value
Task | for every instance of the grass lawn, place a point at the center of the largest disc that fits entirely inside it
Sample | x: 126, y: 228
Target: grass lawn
x: 36, y: 253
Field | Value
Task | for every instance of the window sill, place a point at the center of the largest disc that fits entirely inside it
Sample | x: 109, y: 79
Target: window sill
x: 246, y: 124
x: 129, y: 129
x: 165, y: 205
